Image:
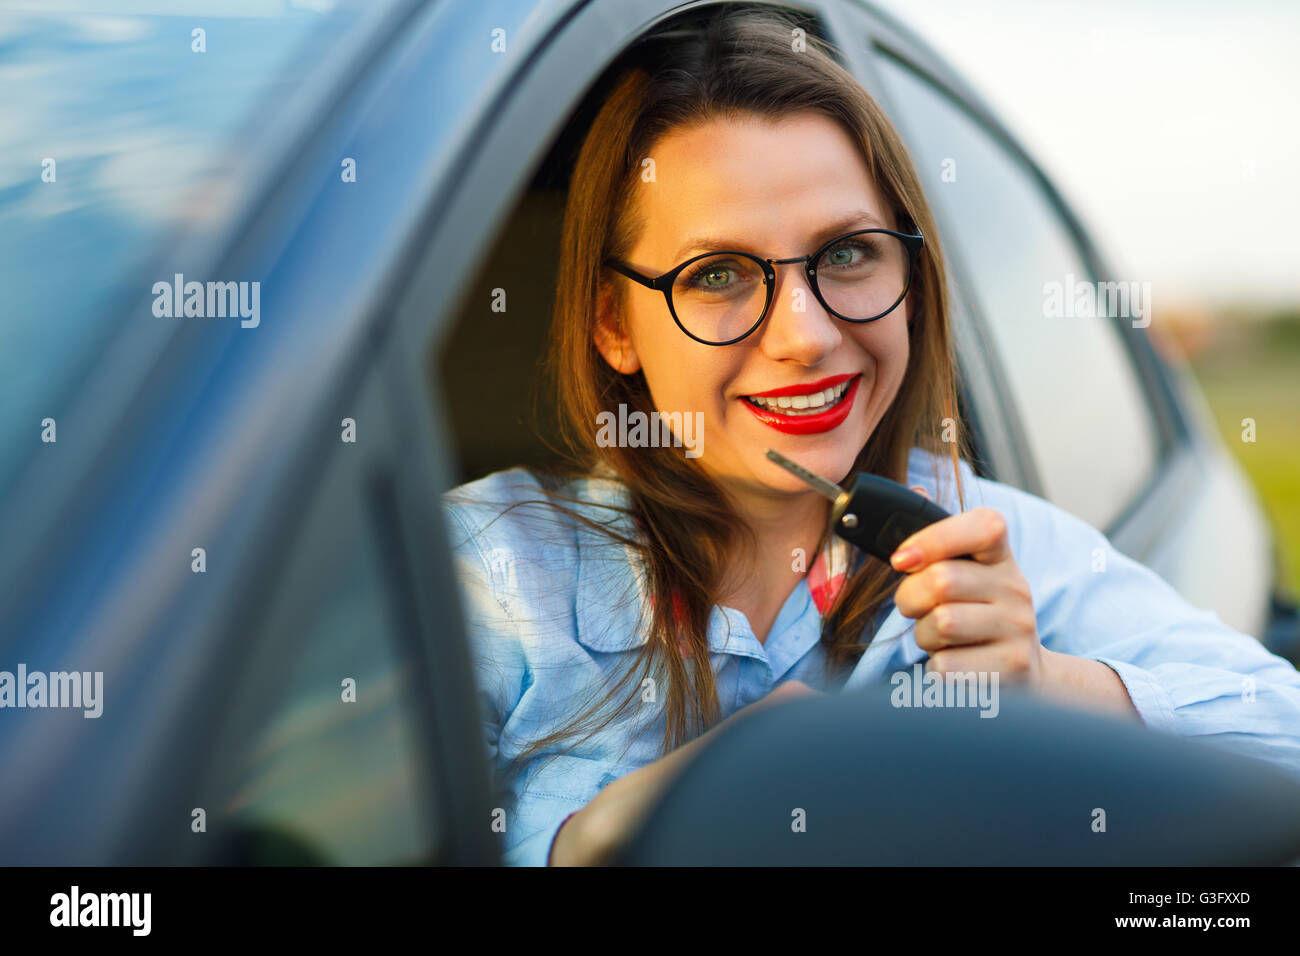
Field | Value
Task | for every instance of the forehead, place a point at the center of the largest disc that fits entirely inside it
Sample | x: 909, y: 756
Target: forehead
x: 772, y: 183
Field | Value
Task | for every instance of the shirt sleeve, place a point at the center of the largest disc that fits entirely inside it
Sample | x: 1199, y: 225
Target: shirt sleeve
x: 499, y: 664
x: 540, y: 796
x: 534, y: 849
x: 557, y: 786
x: 1186, y: 671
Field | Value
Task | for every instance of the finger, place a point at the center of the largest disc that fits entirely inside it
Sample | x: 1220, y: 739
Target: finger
x: 922, y: 492
x: 949, y: 580
x: 980, y: 533
x: 964, y: 624
x: 1009, y: 662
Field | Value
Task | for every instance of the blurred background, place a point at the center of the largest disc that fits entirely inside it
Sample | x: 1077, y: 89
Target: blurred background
x: 1170, y: 127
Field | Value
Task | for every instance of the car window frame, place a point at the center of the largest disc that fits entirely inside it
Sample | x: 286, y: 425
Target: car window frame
x: 990, y: 418
x: 1140, y: 520
x: 1017, y: 165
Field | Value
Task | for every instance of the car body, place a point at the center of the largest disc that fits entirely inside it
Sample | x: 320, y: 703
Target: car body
x: 208, y: 533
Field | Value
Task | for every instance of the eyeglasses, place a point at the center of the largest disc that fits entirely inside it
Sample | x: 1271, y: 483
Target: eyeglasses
x: 717, y: 299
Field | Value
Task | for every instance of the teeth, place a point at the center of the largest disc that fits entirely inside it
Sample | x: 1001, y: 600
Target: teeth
x: 804, y: 404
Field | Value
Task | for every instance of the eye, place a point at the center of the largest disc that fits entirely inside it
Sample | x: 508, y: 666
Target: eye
x: 710, y: 276
x: 847, y: 253
x: 719, y: 274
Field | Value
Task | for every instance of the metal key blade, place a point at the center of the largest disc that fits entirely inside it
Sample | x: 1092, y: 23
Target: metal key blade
x: 827, y: 488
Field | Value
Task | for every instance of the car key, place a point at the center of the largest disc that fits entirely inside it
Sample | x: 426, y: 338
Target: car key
x: 877, y: 515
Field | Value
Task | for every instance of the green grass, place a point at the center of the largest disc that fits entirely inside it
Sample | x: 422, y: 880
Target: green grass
x: 1258, y: 377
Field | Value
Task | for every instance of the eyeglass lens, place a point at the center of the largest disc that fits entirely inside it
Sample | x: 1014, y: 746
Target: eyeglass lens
x: 720, y: 297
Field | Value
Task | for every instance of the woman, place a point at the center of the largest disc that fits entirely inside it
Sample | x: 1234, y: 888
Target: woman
x: 747, y: 250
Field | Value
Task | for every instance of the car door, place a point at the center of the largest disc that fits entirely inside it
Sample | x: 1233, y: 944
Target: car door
x: 222, y: 538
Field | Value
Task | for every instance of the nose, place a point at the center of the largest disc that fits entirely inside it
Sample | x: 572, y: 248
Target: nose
x: 797, y: 327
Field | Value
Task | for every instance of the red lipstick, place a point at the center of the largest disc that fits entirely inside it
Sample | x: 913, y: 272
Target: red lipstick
x: 833, y: 417
x: 817, y: 386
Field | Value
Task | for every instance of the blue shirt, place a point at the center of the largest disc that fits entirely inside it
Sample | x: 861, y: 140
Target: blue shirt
x: 555, y: 610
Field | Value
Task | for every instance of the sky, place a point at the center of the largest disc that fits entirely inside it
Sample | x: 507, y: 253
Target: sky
x: 1171, y: 127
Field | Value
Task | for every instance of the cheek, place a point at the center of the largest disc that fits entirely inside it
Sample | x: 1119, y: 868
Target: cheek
x: 654, y: 350
x: 900, y: 348
x: 683, y: 376
x: 887, y: 346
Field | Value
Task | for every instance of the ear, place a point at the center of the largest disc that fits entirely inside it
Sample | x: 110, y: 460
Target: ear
x: 613, y: 343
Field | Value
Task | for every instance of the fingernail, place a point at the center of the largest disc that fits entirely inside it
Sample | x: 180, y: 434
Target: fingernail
x: 905, y: 558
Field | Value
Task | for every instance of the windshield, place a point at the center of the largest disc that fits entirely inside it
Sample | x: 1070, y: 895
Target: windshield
x: 118, y: 129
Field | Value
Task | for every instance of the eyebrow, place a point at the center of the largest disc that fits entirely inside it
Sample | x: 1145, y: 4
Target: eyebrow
x: 861, y: 218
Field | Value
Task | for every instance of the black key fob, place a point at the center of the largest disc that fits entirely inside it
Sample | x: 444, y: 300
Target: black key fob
x: 878, y: 515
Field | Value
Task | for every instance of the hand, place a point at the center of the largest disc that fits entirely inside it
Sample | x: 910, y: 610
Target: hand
x: 972, y: 615
x: 605, y: 825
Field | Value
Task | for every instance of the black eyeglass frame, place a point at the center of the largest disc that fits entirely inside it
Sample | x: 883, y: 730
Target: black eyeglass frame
x: 664, y: 283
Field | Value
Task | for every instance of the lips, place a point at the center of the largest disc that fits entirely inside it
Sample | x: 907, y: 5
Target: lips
x: 808, y: 389
x: 793, y: 409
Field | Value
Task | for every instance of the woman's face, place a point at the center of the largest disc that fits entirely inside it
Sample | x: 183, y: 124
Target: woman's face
x: 777, y: 190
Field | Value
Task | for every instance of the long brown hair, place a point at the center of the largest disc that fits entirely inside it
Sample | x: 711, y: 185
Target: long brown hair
x: 735, y: 62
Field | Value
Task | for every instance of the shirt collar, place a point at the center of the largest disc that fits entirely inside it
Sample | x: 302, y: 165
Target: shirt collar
x: 611, y: 616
